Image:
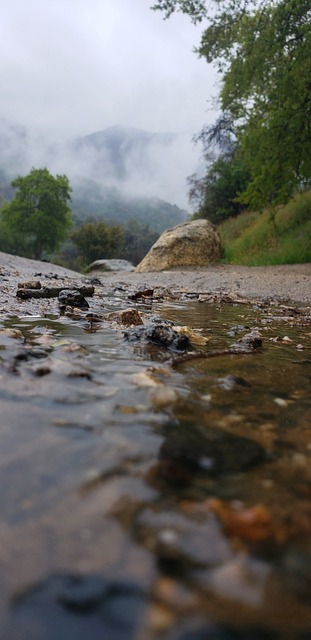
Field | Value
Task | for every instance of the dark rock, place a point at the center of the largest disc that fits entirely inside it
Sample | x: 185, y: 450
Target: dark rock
x: 72, y: 298
x: 73, y: 607
x: 249, y: 342
x: 160, y: 334
x: 209, y: 450
x: 230, y: 382
x: 95, y: 281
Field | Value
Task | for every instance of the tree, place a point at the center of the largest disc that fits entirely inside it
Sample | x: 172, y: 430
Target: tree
x: 262, y: 52
x: 138, y: 239
x: 217, y: 193
x: 97, y: 240
x: 38, y: 217
x: 195, y: 8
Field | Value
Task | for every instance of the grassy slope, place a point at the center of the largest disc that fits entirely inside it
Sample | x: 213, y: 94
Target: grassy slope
x: 282, y: 236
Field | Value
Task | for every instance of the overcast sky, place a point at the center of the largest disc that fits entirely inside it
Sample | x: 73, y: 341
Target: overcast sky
x: 78, y: 66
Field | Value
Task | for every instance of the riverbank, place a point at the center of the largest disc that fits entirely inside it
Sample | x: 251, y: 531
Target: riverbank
x: 288, y: 283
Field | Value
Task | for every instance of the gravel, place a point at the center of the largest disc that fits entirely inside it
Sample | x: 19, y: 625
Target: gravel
x: 288, y: 283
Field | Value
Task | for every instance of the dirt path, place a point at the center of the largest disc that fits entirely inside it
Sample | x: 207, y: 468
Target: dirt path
x: 283, y: 282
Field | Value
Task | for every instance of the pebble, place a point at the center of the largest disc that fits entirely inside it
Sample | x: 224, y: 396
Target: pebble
x: 281, y: 402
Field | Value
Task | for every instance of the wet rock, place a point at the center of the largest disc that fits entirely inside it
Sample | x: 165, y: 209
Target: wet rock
x: 95, y: 281
x: 141, y: 295
x: 74, y: 608
x: 238, y: 328
x: 188, y: 449
x: 242, y: 579
x: 251, y: 524
x: 176, y: 538
x: 250, y: 341
x: 127, y: 317
x: 230, y: 382
x: 161, y: 334
x: 9, y: 333
x: 72, y: 298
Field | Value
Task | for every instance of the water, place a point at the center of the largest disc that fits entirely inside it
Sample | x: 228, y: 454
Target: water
x: 175, y: 494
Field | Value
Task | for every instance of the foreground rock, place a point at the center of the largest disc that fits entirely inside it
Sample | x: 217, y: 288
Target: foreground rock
x: 192, y: 244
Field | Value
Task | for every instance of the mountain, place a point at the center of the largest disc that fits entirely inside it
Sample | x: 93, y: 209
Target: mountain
x: 91, y: 202
x: 117, y: 151
x: 117, y: 174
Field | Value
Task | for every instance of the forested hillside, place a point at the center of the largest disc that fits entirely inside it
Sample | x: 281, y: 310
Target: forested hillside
x: 258, y: 152
x: 116, y: 174
x: 112, y: 171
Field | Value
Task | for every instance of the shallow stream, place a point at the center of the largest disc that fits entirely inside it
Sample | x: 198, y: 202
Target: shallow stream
x: 147, y: 497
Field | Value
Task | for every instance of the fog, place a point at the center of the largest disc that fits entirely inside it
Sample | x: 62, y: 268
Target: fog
x: 71, y: 68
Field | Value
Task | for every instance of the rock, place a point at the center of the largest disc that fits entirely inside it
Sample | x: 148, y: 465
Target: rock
x: 173, y: 536
x: 187, y: 449
x: 161, y: 334
x: 127, y: 317
x: 76, y: 607
x: 72, y: 298
x: 241, y: 579
x: 192, y: 244
x: 111, y: 265
x: 251, y: 341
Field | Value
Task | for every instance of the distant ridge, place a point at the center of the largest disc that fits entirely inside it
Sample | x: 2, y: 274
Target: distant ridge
x: 117, y: 173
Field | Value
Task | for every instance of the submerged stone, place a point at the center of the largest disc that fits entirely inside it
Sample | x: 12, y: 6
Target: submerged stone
x: 173, y: 536
x: 76, y: 607
x: 210, y: 450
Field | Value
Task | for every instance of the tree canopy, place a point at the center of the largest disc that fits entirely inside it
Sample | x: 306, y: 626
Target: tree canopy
x: 96, y: 240
x: 262, y: 51
x: 38, y: 217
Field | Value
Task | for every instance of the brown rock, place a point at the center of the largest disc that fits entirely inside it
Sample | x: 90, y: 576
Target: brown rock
x: 192, y: 244
x: 127, y: 317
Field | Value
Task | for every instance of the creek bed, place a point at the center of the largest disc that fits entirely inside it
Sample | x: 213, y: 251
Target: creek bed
x: 144, y: 500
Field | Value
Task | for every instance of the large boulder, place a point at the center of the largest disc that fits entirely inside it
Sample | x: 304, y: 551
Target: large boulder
x: 192, y: 244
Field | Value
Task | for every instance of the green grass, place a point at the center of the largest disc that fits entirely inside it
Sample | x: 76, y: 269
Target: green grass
x: 281, y: 236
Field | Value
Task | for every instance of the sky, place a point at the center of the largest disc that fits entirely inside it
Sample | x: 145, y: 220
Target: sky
x: 77, y: 66
x: 72, y: 67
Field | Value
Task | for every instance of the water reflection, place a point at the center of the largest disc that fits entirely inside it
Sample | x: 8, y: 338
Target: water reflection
x: 184, y: 491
